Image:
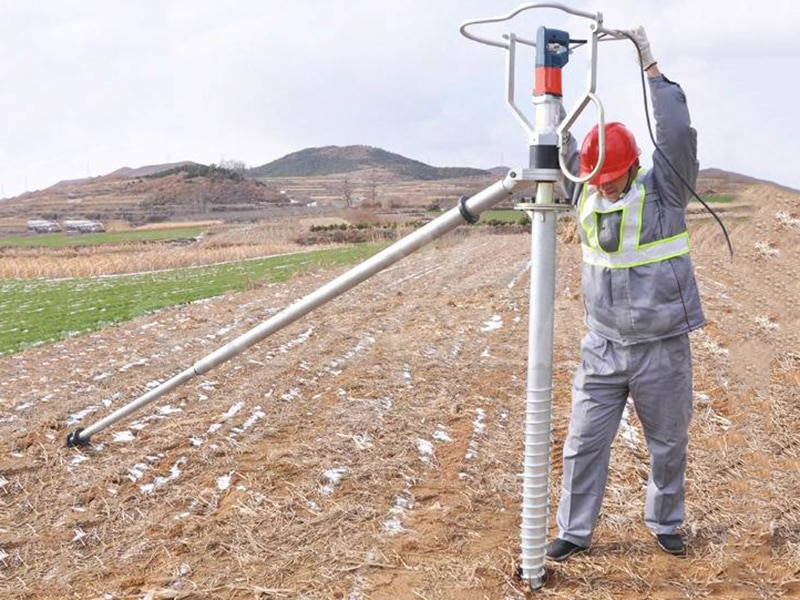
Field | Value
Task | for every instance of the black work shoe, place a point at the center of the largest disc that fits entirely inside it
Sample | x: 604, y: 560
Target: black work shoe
x: 672, y: 543
x: 560, y: 550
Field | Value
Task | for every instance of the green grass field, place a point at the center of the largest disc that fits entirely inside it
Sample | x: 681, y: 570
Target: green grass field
x: 504, y: 216
x: 35, y: 312
x: 55, y: 240
x: 495, y: 216
x: 716, y: 198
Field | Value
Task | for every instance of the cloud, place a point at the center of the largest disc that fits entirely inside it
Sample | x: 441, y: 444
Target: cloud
x: 92, y: 85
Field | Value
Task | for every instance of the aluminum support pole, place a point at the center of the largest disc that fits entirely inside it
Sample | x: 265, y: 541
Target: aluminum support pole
x: 412, y: 242
x: 536, y: 463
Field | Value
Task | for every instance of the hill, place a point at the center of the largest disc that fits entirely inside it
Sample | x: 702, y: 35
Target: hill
x: 329, y: 160
x: 308, y: 180
x: 149, y: 170
x: 187, y: 192
x: 713, y: 180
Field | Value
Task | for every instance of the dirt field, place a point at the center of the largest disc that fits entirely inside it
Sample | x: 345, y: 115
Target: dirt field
x: 371, y: 450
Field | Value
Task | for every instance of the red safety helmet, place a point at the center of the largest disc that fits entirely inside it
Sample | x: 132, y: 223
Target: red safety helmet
x: 621, y: 153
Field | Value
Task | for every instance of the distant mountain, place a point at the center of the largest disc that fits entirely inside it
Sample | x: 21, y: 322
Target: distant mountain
x: 148, y: 170
x: 329, y: 160
x: 713, y: 180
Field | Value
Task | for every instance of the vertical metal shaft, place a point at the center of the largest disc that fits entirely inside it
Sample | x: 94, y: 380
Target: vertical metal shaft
x: 538, y: 402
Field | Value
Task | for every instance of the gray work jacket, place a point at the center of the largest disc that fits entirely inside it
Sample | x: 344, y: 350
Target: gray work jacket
x: 658, y: 300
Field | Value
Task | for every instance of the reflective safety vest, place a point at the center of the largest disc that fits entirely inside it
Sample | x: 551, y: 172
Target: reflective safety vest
x: 631, y: 252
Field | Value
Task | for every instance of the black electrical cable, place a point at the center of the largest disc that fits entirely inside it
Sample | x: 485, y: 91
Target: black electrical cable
x: 658, y: 149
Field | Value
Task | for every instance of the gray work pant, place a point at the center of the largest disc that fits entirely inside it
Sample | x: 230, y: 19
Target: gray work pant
x: 658, y: 376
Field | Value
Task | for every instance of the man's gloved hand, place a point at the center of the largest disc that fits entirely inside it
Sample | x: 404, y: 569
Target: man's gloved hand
x: 640, y: 37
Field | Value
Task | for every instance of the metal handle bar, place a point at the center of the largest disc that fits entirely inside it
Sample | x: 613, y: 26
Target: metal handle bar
x: 598, y: 17
x: 562, y: 129
x: 590, y: 96
x: 509, y: 44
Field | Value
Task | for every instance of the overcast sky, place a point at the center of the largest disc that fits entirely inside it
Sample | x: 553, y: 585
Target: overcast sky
x: 89, y: 86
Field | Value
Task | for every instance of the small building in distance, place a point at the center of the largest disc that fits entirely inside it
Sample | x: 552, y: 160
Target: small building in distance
x: 43, y: 226
x: 83, y: 226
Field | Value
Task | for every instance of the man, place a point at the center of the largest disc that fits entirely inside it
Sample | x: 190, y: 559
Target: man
x: 641, y: 301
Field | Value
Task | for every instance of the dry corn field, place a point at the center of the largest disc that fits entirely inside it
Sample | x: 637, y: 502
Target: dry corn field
x: 371, y: 450
x: 219, y: 244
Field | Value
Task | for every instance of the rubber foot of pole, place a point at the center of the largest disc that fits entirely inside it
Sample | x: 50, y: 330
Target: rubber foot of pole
x: 74, y: 439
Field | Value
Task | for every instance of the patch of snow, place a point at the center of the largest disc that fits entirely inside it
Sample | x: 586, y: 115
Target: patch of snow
x: 101, y: 376
x: 331, y: 478
x: 784, y: 218
x: 137, y: 363
x: 766, y: 323
x: 357, y: 349
x: 136, y: 472
x: 214, y: 427
x: 123, y: 436
x: 224, y: 482
x: 77, y: 460
x: 301, y: 339
x: 393, y: 526
x: 711, y: 344
x: 519, y: 274
x: 440, y: 435
x: 495, y: 322
x: 425, y: 449
x: 224, y: 330
x: 24, y: 406
x: 79, y: 534
x: 362, y: 441
x: 485, y: 353
x: 231, y: 412
x: 168, y: 410
x: 766, y: 250
x: 160, y: 482
x: 78, y: 416
x: 479, y: 424
x: 291, y: 395
x: 502, y: 418
x: 251, y: 420
x: 702, y: 398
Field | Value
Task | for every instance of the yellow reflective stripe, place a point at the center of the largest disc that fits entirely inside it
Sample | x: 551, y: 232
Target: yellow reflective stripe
x: 655, y: 252
x: 641, y: 217
x: 664, y: 241
x: 581, y: 204
x: 600, y: 263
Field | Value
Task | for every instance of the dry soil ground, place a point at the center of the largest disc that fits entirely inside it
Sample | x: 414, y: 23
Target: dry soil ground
x: 371, y: 450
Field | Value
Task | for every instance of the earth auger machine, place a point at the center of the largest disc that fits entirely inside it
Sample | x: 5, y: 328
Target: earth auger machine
x: 547, y: 140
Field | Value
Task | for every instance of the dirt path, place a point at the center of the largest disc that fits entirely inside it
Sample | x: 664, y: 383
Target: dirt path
x: 371, y: 450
